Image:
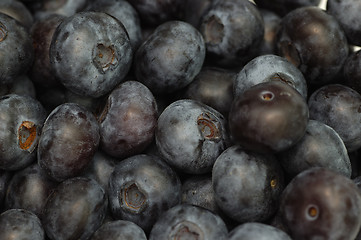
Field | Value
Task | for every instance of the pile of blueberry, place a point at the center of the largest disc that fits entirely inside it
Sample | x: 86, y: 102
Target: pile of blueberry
x: 180, y: 119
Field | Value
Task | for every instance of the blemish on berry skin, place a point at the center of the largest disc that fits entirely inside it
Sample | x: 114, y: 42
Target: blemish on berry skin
x: 209, y: 126
x: 27, y: 133
x: 3, y: 32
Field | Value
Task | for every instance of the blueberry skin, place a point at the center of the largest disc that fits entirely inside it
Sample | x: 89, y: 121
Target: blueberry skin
x: 347, y: 14
x: 314, y: 42
x: 351, y: 73
x: 75, y: 209
x: 17, y: 10
x: 69, y: 139
x: 321, y: 146
x: 195, y: 9
x: 20, y: 224
x: 21, y: 121
x: 100, y: 169
x: 232, y: 31
x: 257, y: 231
x: 119, y: 230
x: 338, y: 106
x: 124, y: 12
x: 153, y: 13
x: 16, y: 49
x: 321, y: 204
x: 267, y: 68
x: 213, y: 87
x: 5, y: 177
x: 170, y: 57
x: 247, y: 185
x: 90, y: 53
x: 282, y: 7
x: 42, y: 32
x: 272, y: 23
x: 191, y: 135
x: 65, y: 8
x: 141, y: 188
x: 268, y: 117
x: 128, y: 120
x: 29, y: 189
x: 189, y: 222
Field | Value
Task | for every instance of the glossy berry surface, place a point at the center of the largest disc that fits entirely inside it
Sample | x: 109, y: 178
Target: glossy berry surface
x: 141, y: 188
x: 29, y: 189
x: 128, y: 120
x: 321, y: 204
x: 314, y: 42
x: 189, y: 222
x: 247, y: 185
x: 75, y: 209
x: 203, y: 127
x: 90, y: 53
x: 69, y: 139
x: 268, y: 117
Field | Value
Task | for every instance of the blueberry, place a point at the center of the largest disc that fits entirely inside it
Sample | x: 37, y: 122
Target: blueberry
x: 213, y: 87
x: 314, y: 42
x: 141, y: 188
x: 17, y: 10
x: 128, y: 120
x: 42, y: 32
x: 257, y: 231
x: 351, y: 72
x: 119, y: 230
x: 90, y: 53
x: 268, y: 117
x: 247, y: 185
x: 191, y: 135
x: 21, y: 121
x: 75, y: 209
x: 189, y: 222
x: 65, y: 8
x: 20, y: 224
x: 195, y: 9
x: 170, y: 57
x: 282, y: 7
x: 272, y: 23
x: 5, y: 177
x: 156, y: 12
x: 321, y: 146
x: 338, y: 106
x: 100, y: 168
x: 29, y: 189
x: 346, y: 13
x: 321, y: 204
x: 16, y: 49
x: 69, y: 139
x: 267, y: 68
x: 125, y: 13
x: 232, y: 31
